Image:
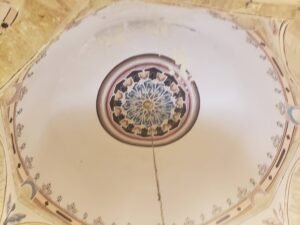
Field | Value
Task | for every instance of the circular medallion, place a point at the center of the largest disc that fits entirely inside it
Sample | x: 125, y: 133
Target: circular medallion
x: 148, y: 100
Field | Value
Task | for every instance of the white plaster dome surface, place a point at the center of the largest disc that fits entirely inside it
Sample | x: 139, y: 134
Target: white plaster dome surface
x: 201, y: 175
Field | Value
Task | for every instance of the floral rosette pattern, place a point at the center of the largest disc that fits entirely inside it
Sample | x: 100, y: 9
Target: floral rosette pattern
x: 147, y: 101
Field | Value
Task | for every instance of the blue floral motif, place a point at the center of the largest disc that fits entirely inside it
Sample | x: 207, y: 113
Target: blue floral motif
x: 146, y: 100
x: 149, y: 103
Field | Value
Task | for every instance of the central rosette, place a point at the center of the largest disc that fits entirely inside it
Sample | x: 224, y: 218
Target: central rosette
x: 149, y: 103
x: 148, y: 100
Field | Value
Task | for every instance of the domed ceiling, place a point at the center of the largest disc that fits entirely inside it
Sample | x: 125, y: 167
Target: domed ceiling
x: 152, y: 114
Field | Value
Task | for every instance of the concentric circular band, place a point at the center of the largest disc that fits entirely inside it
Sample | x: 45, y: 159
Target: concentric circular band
x: 148, y: 100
